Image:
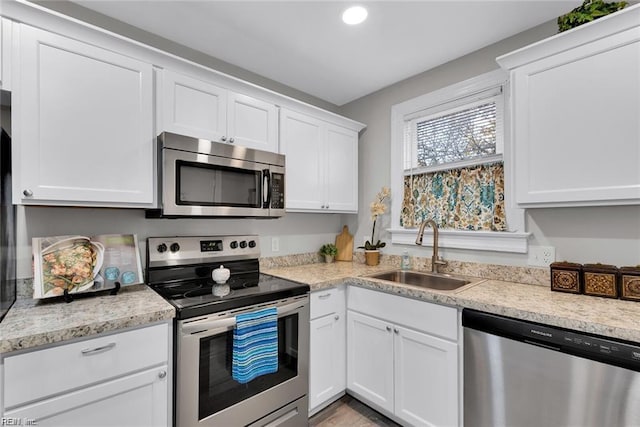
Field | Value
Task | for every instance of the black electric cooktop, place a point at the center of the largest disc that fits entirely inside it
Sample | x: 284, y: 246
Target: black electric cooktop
x: 180, y: 268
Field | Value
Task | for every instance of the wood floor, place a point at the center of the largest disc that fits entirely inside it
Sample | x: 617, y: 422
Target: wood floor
x: 349, y: 412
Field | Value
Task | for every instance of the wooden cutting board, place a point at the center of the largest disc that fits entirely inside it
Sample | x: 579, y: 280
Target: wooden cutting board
x: 344, y: 243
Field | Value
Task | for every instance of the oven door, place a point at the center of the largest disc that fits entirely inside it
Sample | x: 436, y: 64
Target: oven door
x: 197, y: 184
x: 206, y: 393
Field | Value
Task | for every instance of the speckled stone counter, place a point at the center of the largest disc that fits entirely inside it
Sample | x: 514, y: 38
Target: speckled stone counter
x: 31, y: 323
x: 319, y: 276
x: 601, y: 316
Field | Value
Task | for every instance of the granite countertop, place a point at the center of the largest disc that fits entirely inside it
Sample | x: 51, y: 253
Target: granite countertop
x: 601, y: 316
x: 32, y: 323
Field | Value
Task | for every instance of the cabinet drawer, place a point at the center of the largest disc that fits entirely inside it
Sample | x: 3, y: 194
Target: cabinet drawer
x: 327, y: 301
x: 423, y: 316
x: 40, y: 373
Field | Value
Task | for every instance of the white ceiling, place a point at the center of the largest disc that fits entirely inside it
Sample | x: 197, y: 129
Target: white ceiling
x: 305, y: 45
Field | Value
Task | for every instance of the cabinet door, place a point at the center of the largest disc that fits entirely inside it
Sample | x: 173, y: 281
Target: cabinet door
x: 327, y: 361
x: 576, y: 127
x: 252, y: 123
x: 370, y: 359
x: 301, y: 140
x: 192, y: 107
x: 83, y: 124
x: 5, y: 53
x: 342, y: 169
x: 141, y: 400
x: 426, y: 379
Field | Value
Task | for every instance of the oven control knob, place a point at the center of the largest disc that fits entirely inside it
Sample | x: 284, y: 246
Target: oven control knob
x: 233, y: 245
x: 162, y: 248
x: 243, y: 244
x: 174, y: 247
x: 252, y: 243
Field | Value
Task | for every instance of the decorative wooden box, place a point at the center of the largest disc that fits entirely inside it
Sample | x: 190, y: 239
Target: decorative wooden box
x: 566, y: 277
x: 630, y: 283
x: 600, y: 280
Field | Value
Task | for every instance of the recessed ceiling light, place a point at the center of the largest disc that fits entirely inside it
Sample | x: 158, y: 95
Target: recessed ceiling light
x: 354, y: 15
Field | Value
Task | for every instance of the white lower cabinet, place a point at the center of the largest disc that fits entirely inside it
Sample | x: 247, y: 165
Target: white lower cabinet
x: 327, y: 359
x: 402, y: 357
x: 135, y: 400
x: 120, y: 379
x: 370, y: 359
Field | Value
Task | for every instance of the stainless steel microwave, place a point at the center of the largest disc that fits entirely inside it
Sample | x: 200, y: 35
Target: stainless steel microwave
x: 202, y: 178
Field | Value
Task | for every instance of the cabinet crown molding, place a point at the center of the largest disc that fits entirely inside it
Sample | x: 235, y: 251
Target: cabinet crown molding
x: 614, y: 23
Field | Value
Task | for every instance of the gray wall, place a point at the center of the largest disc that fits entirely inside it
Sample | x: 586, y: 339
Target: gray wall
x: 604, y: 234
x: 297, y: 233
x: 119, y: 27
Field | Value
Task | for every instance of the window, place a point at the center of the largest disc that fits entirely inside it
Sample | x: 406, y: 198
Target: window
x: 447, y: 162
x: 468, y: 133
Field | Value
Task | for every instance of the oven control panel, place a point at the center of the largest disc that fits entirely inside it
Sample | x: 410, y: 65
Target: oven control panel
x: 190, y: 249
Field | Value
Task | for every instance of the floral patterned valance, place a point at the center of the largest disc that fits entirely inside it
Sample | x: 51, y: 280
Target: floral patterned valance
x: 470, y: 198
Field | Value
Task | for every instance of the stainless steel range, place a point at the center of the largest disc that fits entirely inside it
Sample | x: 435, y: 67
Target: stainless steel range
x: 205, y: 392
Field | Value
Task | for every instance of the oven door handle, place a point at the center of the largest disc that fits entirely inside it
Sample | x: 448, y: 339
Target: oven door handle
x: 212, y: 326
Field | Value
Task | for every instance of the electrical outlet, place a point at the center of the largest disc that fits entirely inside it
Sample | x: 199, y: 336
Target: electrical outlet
x: 275, y: 244
x: 541, y: 256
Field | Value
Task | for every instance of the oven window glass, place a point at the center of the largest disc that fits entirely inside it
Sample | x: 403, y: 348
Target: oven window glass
x: 210, y: 185
x: 218, y: 390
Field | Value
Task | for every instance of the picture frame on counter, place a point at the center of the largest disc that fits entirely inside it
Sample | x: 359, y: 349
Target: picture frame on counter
x: 74, y: 264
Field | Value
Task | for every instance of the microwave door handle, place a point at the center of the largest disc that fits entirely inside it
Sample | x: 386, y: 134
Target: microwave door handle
x: 266, y: 182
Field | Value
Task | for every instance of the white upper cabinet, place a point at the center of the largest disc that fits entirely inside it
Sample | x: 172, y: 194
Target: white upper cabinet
x: 192, y: 107
x: 82, y: 124
x: 200, y: 109
x: 341, y: 169
x: 301, y: 140
x: 575, y: 107
x: 252, y: 123
x: 322, y: 164
x: 5, y: 53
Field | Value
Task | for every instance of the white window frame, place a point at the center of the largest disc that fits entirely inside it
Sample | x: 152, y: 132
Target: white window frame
x: 514, y: 240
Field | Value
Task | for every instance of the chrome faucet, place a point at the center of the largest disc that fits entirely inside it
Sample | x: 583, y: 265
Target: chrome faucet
x: 435, y: 260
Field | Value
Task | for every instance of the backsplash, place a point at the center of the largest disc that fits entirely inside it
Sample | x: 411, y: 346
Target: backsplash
x: 526, y: 275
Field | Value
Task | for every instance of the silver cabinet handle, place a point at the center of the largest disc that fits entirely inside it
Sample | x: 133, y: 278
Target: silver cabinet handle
x: 324, y: 296
x: 231, y: 140
x: 396, y: 330
x: 162, y: 374
x: 90, y: 351
x: 27, y: 193
x: 223, y: 139
x: 388, y: 328
x: 337, y: 317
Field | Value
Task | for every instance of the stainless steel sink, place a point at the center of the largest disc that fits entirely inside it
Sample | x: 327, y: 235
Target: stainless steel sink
x: 440, y: 282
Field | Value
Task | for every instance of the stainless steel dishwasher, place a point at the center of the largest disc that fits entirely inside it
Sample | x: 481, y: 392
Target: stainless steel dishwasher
x: 519, y: 374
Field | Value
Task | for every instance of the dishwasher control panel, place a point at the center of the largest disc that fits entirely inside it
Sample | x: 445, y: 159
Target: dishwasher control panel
x: 603, y: 349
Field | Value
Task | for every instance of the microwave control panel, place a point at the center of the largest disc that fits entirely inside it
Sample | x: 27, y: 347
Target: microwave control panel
x: 277, y: 191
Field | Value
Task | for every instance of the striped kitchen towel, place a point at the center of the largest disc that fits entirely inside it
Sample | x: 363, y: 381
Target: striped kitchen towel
x: 255, y: 345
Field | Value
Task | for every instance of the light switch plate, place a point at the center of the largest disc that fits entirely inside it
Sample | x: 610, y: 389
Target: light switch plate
x: 275, y: 244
